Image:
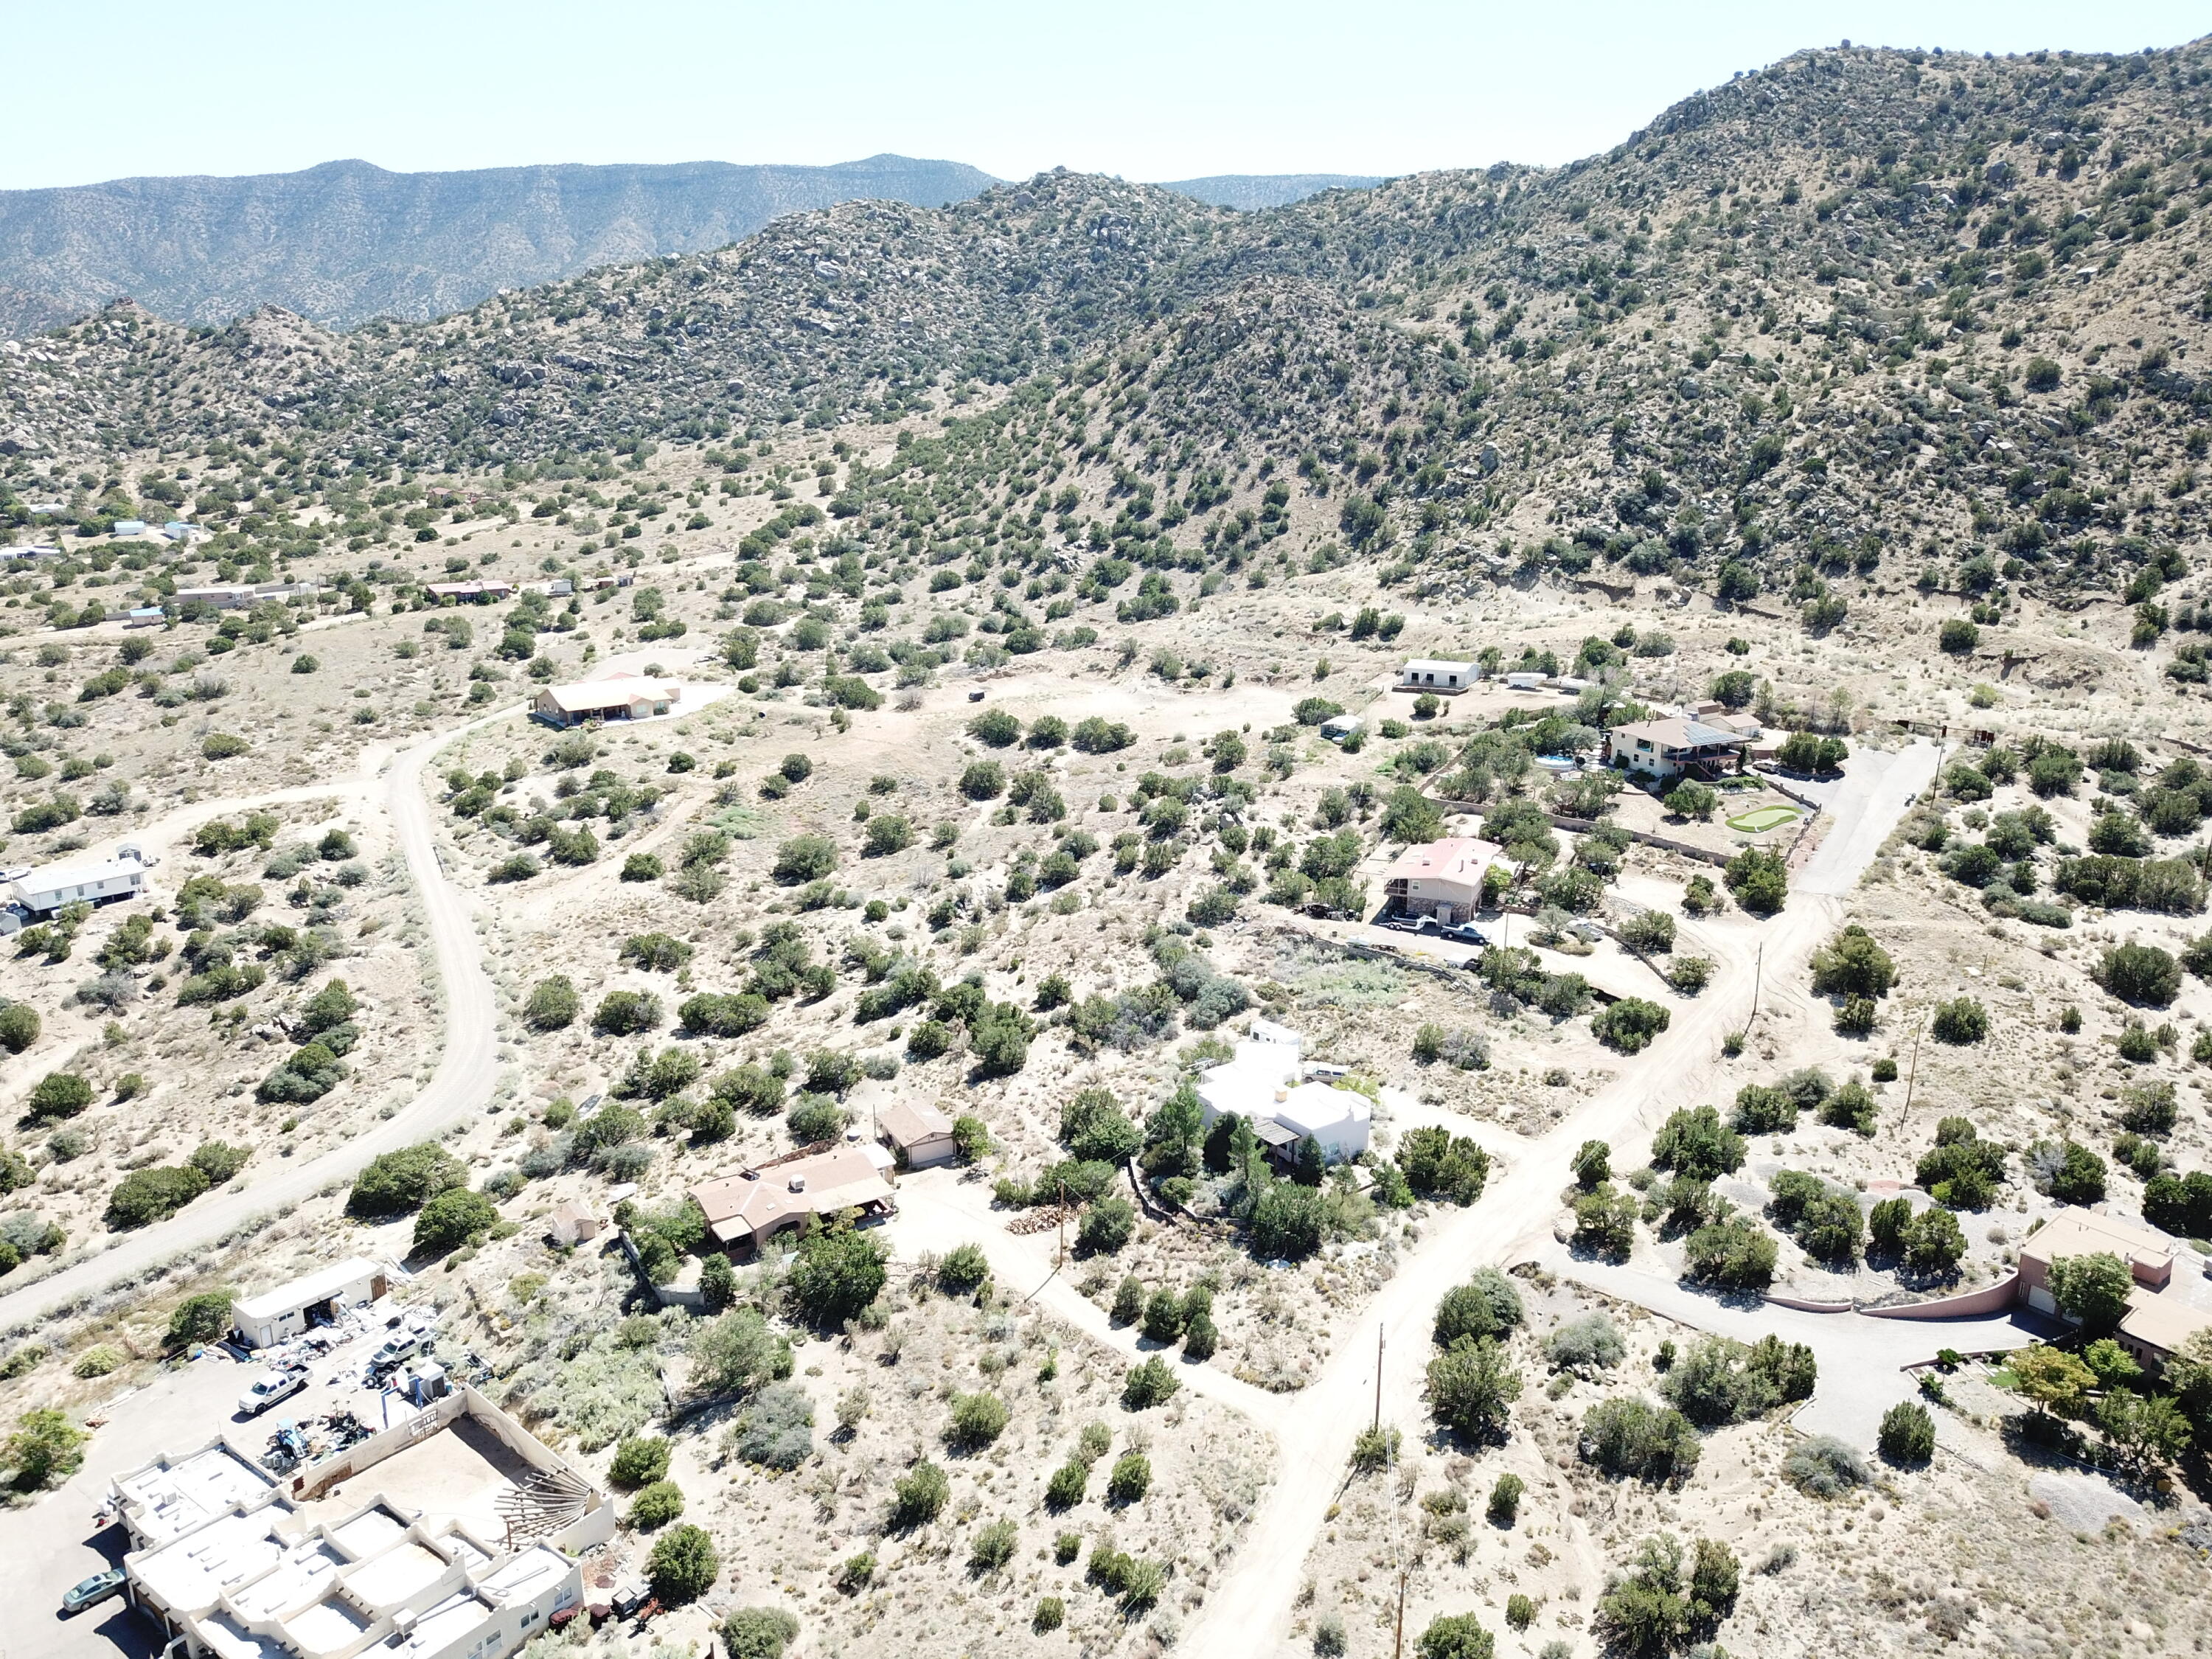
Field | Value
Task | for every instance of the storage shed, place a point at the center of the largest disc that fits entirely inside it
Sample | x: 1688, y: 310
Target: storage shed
x: 920, y: 1134
x: 276, y: 1316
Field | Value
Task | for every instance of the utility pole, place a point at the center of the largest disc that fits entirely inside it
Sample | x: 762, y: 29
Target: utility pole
x: 1379, y: 1376
x: 1059, y: 1228
x: 1758, y: 978
x: 1913, y: 1076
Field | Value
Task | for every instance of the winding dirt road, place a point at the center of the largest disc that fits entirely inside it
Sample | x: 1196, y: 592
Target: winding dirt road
x: 467, y: 1068
x: 1248, y: 1612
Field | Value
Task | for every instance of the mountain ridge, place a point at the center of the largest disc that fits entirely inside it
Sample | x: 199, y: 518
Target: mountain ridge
x: 1750, y: 345
x: 345, y: 240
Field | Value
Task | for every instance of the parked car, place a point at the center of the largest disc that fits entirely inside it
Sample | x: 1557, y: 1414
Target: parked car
x: 1467, y: 933
x: 268, y: 1389
x: 93, y: 1590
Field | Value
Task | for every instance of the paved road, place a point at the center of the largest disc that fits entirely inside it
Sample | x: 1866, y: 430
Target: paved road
x: 466, y: 1072
x: 1862, y: 1359
x: 1863, y: 812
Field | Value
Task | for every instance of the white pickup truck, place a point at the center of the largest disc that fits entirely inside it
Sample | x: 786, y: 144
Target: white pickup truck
x: 268, y: 1389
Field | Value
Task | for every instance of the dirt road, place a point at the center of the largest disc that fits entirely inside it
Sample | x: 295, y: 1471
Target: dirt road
x: 466, y: 1070
x: 1249, y: 1608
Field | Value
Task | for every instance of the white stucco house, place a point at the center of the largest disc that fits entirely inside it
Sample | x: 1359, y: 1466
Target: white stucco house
x: 1265, y: 1084
x: 1446, y: 676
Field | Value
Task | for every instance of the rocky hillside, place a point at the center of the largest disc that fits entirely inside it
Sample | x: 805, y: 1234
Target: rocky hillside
x: 1250, y: 191
x: 1866, y: 319
x: 346, y: 241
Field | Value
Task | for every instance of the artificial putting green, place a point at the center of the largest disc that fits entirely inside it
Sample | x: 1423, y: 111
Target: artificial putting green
x: 1764, y: 819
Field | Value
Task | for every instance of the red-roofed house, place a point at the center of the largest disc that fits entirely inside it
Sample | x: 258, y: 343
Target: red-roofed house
x: 1439, y: 878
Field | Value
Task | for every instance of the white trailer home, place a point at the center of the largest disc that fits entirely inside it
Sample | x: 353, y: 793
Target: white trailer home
x: 46, y: 889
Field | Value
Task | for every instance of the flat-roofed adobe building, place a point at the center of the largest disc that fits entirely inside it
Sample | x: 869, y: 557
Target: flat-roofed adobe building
x: 454, y: 1534
x: 1441, y: 675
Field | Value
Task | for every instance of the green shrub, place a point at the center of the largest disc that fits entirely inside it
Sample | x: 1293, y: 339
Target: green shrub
x: 1505, y: 1499
x: 1907, y: 1434
x: 1759, y: 879
x: 683, y: 1565
x: 1655, y: 1606
x: 1487, y: 1305
x: 993, y: 1547
x: 1694, y: 1142
x: 765, y: 1633
x: 977, y: 1420
x: 639, y: 1460
x: 450, y: 1220
x: 918, y: 1496
x: 1628, y: 1026
x: 1632, y: 1438
x: 804, y: 859
x: 1106, y: 1226
x: 553, y: 1005
x: 1066, y: 1488
x: 963, y: 1271
x: 734, y: 1353
x: 397, y: 1182
x: 839, y: 1271
x: 2141, y: 975
x: 1456, y: 1636
x: 626, y: 1013
x: 1149, y: 1384
x: 1471, y: 1386
x: 201, y: 1318
x: 656, y: 1506
x: 20, y: 1026
x: 57, y: 1095
x: 1131, y: 1479
x: 1958, y: 637
x: 153, y: 1194
x: 45, y: 1450
x: 1439, y: 1165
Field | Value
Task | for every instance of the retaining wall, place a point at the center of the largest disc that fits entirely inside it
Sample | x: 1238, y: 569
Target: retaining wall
x: 1967, y: 1303
x: 1802, y: 1305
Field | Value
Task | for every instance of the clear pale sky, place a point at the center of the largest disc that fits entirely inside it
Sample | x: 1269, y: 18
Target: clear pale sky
x: 1138, y: 87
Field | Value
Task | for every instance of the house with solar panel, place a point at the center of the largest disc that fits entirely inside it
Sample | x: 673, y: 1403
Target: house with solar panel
x: 1677, y: 747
